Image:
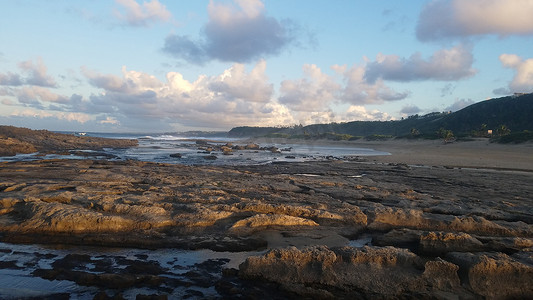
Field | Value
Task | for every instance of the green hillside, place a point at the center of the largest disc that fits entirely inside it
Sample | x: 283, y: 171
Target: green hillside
x: 512, y: 113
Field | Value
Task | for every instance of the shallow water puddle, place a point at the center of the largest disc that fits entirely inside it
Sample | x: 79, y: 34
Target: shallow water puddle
x: 362, y: 240
x: 181, y: 272
x: 47, y: 271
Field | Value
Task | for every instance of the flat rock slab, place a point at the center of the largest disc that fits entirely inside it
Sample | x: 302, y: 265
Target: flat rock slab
x: 429, y: 212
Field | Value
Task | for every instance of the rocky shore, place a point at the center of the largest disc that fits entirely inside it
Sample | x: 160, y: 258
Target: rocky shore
x: 15, y: 140
x: 434, y: 232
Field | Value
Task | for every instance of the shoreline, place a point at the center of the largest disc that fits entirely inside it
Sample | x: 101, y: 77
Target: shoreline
x: 478, y: 154
x: 429, y: 224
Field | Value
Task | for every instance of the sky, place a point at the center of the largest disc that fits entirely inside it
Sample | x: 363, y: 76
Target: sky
x: 161, y: 66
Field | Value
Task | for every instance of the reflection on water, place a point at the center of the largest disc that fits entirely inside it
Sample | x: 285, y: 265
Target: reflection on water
x: 363, y: 240
x: 18, y: 265
x: 18, y: 262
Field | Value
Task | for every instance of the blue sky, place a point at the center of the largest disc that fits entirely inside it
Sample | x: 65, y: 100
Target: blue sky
x: 130, y: 66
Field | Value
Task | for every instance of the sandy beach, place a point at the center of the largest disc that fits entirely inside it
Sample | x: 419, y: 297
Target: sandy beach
x: 477, y: 153
x: 473, y: 154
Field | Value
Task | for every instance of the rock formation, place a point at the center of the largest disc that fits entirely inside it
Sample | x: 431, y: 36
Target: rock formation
x: 365, y: 272
x: 436, y: 232
x: 14, y: 140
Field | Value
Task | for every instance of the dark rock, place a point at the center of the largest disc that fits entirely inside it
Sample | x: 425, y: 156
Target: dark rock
x: 151, y: 297
x: 9, y: 265
x: 149, y: 267
x: 141, y: 256
x: 71, y: 261
x: 274, y: 149
x: 193, y: 294
x: 103, y: 296
x: 252, y: 147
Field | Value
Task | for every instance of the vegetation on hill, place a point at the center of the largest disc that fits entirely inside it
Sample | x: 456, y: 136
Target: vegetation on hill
x: 503, y: 116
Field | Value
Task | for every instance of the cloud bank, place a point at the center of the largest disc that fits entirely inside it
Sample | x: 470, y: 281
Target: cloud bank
x: 441, y: 19
x: 234, y: 33
x: 233, y: 97
x: 237, y: 96
x: 313, y: 93
x: 446, y: 65
x: 357, y: 90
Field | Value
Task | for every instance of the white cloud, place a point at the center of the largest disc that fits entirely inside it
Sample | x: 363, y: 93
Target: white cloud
x: 37, y: 74
x: 41, y: 114
x: 360, y: 113
x: 316, y: 117
x: 523, y: 78
x: 233, y: 97
x: 446, y: 64
x: 136, y: 14
x: 510, y: 60
x: 107, y: 82
x: 31, y: 94
x: 227, y: 14
x: 7, y: 102
x: 313, y: 94
x: 358, y: 90
x: 237, y: 84
x: 237, y: 96
x: 109, y: 120
x: 10, y: 79
x: 459, y: 18
x: 352, y: 113
x: 239, y: 32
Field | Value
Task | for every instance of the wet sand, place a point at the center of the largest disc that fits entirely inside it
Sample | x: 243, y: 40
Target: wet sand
x: 478, y: 153
x: 474, y: 154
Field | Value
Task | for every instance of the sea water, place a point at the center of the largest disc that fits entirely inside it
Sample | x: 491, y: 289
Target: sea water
x: 159, y: 148
x: 17, y: 281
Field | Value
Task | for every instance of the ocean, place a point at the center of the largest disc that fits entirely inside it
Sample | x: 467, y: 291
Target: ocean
x: 205, y: 150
